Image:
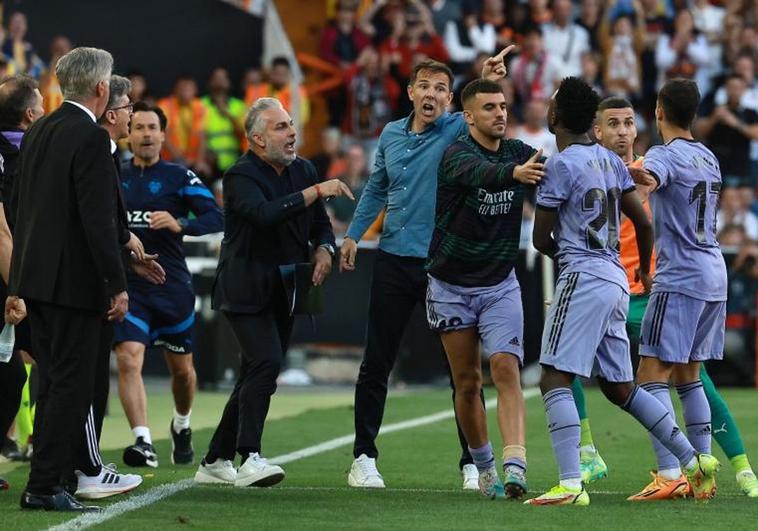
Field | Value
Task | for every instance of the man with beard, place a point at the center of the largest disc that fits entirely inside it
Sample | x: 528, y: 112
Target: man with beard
x: 274, y: 216
x: 473, y: 292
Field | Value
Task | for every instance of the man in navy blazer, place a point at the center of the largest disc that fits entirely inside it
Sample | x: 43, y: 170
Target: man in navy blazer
x: 273, y: 215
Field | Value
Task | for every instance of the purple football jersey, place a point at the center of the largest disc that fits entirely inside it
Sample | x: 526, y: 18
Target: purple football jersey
x: 584, y: 183
x: 684, y: 206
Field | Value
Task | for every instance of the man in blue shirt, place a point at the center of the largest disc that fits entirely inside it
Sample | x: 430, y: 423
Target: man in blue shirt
x: 159, y: 197
x: 404, y: 182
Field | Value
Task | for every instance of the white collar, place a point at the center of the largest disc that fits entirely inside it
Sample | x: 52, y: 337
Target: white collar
x: 82, y: 107
x: 113, y: 146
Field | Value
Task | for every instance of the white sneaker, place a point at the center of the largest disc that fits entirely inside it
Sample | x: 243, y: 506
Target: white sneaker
x: 220, y: 471
x: 108, y: 483
x: 364, y: 474
x: 256, y: 472
x: 470, y: 477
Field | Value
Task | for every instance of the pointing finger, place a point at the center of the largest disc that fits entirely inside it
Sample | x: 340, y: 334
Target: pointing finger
x: 504, y: 52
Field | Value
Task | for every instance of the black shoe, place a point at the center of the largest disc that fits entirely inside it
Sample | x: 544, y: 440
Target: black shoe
x: 10, y: 450
x: 182, y: 452
x: 61, y: 501
x: 4, y: 485
x: 141, y: 453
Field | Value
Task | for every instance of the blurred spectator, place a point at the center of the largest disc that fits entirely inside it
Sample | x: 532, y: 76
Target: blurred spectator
x: 279, y: 86
x: 379, y: 21
x: 539, y: 12
x: 709, y: 21
x: 355, y: 175
x: 591, y: 71
x: 683, y: 53
x: 535, y: 72
x: 732, y: 211
x: 341, y: 44
x: 444, y: 11
x: 52, y: 96
x: 413, y: 39
x: 467, y: 37
x: 493, y: 12
x: 342, y: 40
x: 589, y: 19
x: 622, y: 46
x: 743, y: 66
x: 728, y: 132
x: 185, y: 133
x: 251, y: 77
x: 140, y: 90
x: 474, y: 72
x: 732, y: 236
x: 224, y: 122
x: 534, y: 130
x: 656, y: 24
x: 20, y: 50
x: 371, y: 98
x: 329, y: 162
x: 566, y: 40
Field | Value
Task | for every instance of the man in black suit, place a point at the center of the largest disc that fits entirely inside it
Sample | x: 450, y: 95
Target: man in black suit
x: 273, y: 215
x: 20, y: 107
x: 67, y: 264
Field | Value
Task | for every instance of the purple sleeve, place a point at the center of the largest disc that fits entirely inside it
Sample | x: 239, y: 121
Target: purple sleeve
x: 625, y: 179
x: 656, y: 163
x: 555, y: 186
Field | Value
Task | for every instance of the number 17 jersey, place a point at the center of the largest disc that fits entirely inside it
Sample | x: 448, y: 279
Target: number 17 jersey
x: 584, y: 184
x: 689, y: 259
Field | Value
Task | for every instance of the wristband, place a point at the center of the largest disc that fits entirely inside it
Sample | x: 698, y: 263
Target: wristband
x: 318, y: 192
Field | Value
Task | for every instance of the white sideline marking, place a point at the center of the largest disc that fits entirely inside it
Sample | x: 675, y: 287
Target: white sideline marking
x: 169, y: 489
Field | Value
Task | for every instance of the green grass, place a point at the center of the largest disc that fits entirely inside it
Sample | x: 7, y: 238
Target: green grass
x: 420, y: 468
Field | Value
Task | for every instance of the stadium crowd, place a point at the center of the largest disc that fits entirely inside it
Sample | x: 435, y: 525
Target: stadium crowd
x: 626, y: 48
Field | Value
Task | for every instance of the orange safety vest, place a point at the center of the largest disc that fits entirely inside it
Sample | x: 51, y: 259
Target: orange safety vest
x: 52, y: 97
x: 185, y: 136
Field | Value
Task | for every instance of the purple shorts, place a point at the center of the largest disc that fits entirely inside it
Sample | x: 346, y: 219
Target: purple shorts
x: 495, y: 311
x: 585, y: 329
x: 678, y: 328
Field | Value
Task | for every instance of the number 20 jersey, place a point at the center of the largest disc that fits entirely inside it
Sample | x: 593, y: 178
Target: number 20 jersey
x: 684, y: 205
x: 584, y: 184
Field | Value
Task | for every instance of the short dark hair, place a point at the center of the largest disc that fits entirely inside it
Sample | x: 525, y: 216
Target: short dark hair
x: 16, y: 96
x: 432, y: 66
x: 614, y: 102
x: 184, y: 76
x: 142, y: 106
x: 280, y: 61
x: 679, y: 99
x: 533, y: 29
x: 575, y: 105
x: 480, y: 86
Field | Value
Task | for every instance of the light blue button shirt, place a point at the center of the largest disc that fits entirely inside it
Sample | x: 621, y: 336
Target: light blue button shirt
x: 404, y: 180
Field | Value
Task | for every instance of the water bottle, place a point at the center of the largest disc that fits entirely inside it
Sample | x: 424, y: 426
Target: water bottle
x: 7, y: 340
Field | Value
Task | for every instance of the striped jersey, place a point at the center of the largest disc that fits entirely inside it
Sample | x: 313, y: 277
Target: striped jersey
x: 584, y: 184
x: 684, y: 215
x: 478, y: 213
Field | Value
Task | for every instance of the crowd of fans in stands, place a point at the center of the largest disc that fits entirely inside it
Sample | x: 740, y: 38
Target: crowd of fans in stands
x: 622, y: 47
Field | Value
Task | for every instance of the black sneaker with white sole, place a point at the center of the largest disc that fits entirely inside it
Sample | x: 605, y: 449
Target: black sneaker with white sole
x: 182, y: 452
x: 141, y: 453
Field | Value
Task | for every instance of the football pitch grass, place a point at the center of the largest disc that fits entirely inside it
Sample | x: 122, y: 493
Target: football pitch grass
x: 419, y: 465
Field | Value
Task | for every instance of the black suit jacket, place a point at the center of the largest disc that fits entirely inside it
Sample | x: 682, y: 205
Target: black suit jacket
x: 265, y: 228
x: 66, y: 249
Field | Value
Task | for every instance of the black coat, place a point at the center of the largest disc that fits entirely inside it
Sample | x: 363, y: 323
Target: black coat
x: 266, y: 224
x: 66, y: 249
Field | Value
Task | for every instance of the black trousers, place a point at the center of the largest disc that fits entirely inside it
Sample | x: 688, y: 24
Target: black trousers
x: 12, y: 379
x: 263, y: 339
x: 87, y: 454
x: 398, y: 285
x: 66, y: 346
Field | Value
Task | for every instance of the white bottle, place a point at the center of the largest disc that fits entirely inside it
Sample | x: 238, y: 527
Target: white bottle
x: 7, y: 340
